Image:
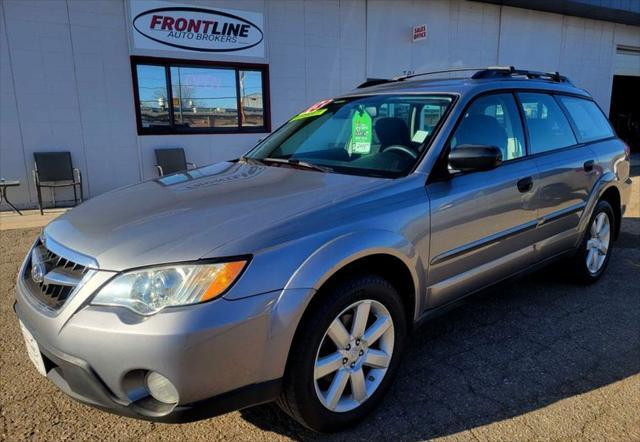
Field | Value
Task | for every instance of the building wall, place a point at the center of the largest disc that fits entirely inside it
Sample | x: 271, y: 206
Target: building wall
x: 66, y: 83
x: 72, y: 91
x: 65, y: 76
x: 473, y: 34
x: 306, y: 41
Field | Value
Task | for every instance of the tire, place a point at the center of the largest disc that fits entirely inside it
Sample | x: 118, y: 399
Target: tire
x: 585, y: 273
x: 306, y: 397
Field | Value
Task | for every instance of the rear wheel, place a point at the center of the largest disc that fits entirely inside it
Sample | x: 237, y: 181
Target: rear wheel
x: 345, y: 354
x: 593, y: 255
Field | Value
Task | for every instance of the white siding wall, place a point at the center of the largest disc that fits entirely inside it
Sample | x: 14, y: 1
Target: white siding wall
x: 580, y: 48
x: 473, y: 34
x: 315, y: 49
x: 459, y: 33
x: 69, y: 62
x: 626, y: 63
x: 12, y: 164
x: 65, y: 80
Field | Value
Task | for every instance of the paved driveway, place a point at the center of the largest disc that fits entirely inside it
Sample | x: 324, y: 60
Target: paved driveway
x: 539, y: 359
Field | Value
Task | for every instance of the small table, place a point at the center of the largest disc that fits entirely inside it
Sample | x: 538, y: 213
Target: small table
x: 3, y: 193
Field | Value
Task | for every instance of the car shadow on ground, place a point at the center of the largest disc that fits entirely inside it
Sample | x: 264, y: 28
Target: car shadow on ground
x: 505, y: 353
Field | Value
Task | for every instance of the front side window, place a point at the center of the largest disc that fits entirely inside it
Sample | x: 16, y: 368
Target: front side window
x: 548, y: 127
x: 590, y: 122
x: 492, y: 120
x: 175, y: 97
x: 375, y: 135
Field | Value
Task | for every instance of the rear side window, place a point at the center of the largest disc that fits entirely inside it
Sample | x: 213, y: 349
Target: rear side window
x: 547, y: 125
x: 589, y: 121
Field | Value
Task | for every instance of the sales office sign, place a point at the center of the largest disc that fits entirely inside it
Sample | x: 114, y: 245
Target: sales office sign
x: 171, y: 26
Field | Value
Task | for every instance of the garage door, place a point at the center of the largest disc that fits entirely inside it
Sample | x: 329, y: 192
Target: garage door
x: 627, y: 60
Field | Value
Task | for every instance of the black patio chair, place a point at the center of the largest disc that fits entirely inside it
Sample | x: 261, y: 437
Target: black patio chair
x: 171, y: 161
x: 53, y: 170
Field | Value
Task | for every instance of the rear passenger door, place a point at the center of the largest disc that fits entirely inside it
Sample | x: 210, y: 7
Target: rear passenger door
x: 567, y: 172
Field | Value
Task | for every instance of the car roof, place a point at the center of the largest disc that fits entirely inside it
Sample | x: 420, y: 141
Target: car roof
x: 465, y: 86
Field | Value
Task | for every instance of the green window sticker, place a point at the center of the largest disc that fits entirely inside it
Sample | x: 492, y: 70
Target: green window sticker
x: 361, y: 132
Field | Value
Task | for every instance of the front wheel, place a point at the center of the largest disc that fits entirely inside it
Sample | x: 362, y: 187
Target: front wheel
x: 345, y: 355
x: 594, y: 253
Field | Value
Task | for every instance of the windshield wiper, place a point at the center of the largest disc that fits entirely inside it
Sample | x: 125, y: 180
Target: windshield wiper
x: 298, y: 163
x: 288, y: 162
x: 250, y: 160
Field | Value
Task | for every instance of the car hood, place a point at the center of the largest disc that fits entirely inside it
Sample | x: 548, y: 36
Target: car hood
x: 186, y: 216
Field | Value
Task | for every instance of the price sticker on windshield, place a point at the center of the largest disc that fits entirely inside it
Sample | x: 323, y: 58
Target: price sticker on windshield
x: 361, y: 132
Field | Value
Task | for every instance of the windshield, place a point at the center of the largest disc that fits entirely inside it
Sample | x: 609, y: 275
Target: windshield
x: 382, y: 135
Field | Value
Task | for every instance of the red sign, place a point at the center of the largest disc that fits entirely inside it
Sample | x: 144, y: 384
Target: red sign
x: 419, y: 32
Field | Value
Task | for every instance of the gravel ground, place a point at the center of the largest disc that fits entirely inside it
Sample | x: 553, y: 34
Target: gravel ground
x: 540, y: 359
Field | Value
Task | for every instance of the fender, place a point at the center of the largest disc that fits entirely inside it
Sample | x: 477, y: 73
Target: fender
x: 343, y: 250
x: 293, y: 300
x: 604, y: 183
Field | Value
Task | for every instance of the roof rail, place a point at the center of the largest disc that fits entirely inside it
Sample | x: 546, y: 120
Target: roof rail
x: 480, y: 73
x: 444, y: 71
x: 376, y: 81
x: 510, y: 71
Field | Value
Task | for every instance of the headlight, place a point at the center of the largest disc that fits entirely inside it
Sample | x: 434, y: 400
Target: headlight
x: 148, y: 291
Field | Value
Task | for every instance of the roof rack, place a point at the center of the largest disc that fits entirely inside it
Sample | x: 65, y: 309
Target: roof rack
x: 480, y: 73
x: 510, y: 71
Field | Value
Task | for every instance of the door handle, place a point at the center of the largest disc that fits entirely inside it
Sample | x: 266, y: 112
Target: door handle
x: 588, y: 165
x: 525, y: 184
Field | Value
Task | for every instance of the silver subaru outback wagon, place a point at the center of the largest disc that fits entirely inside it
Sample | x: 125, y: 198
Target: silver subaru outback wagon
x: 296, y: 272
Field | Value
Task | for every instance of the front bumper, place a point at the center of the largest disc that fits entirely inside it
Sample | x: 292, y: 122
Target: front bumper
x: 220, y: 356
x: 77, y: 379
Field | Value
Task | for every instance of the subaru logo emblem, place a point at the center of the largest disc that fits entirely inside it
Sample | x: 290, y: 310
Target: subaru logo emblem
x: 38, y: 270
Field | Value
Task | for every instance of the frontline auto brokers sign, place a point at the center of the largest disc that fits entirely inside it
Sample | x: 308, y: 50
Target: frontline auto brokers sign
x: 171, y: 26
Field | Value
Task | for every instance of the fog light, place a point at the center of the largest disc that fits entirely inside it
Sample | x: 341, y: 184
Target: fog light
x: 161, y: 388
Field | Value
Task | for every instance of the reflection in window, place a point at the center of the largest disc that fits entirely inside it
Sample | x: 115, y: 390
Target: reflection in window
x: 547, y: 125
x: 152, y: 89
x: 204, y: 97
x: 588, y: 119
x: 429, y: 117
x: 200, y: 98
x: 492, y: 120
x: 251, y: 98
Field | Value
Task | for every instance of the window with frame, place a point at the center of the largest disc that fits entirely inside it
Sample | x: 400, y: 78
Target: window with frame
x: 174, y: 96
x: 548, y: 127
x: 588, y: 119
x: 492, y: 120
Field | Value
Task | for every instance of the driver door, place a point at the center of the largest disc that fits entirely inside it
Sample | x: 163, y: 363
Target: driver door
x: 482, y: 223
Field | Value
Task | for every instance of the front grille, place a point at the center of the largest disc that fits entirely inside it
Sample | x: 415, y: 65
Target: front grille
x: 61, y: 276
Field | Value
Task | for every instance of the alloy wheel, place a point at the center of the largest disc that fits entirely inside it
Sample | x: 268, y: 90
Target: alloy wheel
x: 354, y: 355
x: 598, y: 243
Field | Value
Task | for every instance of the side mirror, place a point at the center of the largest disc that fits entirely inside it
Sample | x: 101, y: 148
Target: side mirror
x: 472, y: 157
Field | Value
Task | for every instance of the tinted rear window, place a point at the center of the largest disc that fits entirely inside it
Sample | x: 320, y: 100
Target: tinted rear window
x: 590, y: 122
